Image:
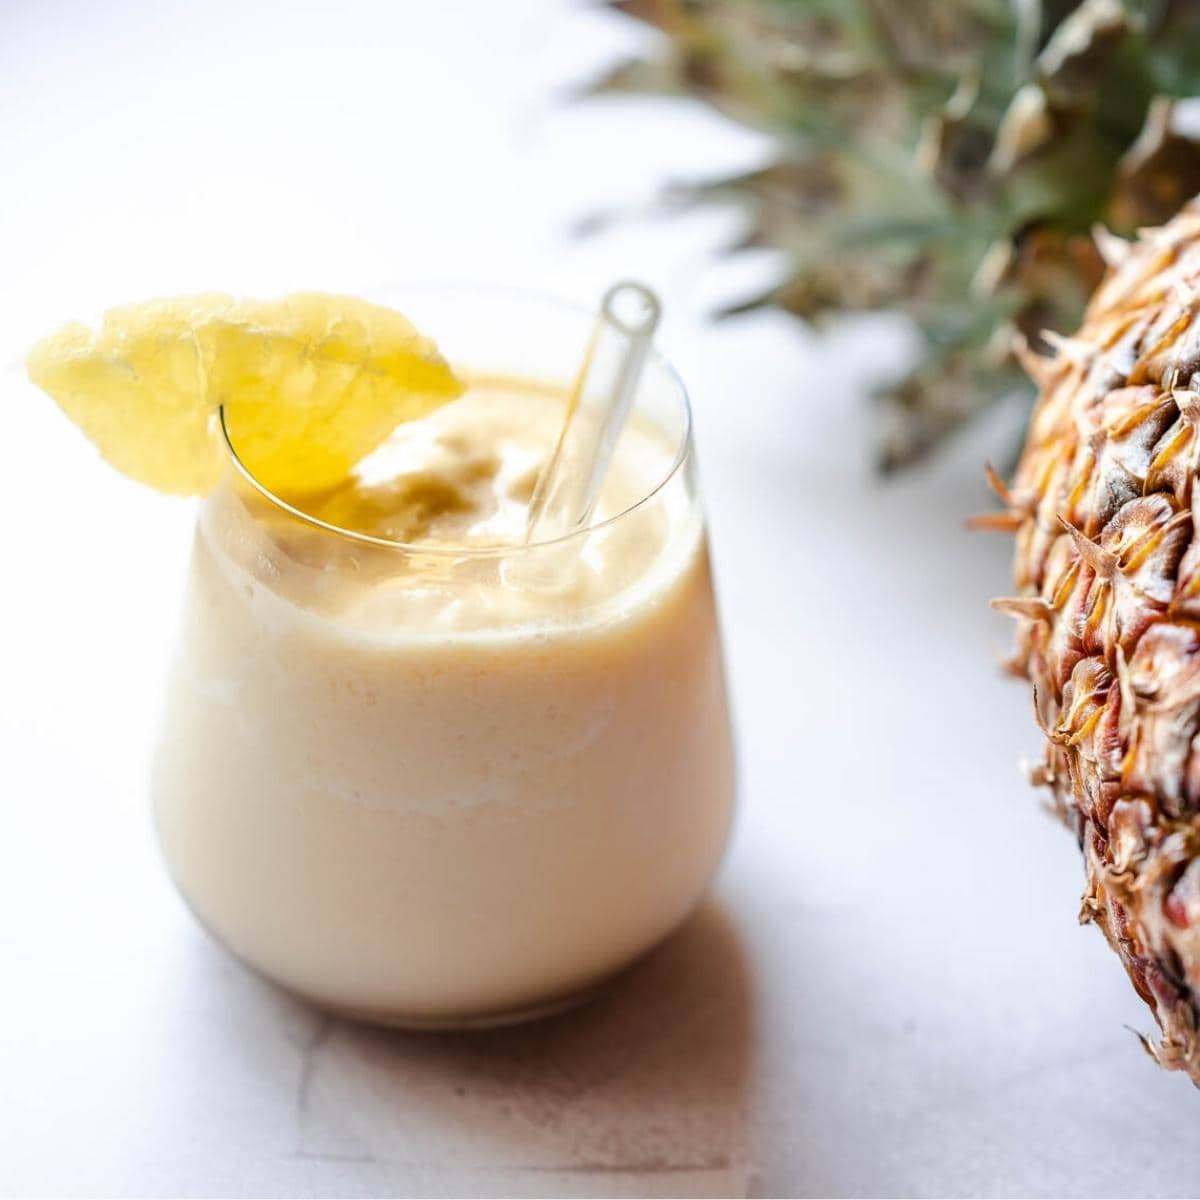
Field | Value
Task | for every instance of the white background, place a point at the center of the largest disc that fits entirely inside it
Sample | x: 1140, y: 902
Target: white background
x: 889, y: 993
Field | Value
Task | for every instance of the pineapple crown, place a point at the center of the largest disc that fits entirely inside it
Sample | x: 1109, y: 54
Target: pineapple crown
x: 958, y: 162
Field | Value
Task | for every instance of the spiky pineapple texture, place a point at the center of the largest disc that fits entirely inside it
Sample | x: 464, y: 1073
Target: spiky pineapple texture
x: 948, y: 160
x: 1106, y: 508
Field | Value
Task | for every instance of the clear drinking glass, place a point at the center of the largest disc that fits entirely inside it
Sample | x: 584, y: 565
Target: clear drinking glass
x: 450, y: 786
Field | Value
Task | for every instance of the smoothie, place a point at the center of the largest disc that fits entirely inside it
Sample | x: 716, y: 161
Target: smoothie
x: 423, y: 774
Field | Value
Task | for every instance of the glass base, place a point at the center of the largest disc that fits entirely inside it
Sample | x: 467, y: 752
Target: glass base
x: 424, y: 1023
x: 384, y: 1018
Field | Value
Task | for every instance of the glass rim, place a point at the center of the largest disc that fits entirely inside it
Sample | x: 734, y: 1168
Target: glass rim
x: 655, y: 357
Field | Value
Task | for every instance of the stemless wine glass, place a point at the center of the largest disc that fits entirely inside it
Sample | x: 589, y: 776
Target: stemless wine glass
x: 421, y: 785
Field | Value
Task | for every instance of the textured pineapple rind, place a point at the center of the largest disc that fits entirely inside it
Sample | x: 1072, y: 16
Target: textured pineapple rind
x: 1104, y: 505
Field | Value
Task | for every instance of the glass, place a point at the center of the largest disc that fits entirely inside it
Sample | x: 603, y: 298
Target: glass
x: 439, y: 786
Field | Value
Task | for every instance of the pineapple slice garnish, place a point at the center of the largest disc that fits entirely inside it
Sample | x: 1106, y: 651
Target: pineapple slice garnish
x: 311, y: 384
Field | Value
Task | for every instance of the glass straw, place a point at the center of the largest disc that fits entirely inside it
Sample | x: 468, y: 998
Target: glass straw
x: 569, y: 485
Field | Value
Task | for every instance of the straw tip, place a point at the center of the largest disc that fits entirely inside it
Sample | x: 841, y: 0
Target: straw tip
x: 632, y: 307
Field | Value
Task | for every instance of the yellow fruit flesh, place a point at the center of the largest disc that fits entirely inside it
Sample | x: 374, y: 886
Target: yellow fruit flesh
x: 310, y: 383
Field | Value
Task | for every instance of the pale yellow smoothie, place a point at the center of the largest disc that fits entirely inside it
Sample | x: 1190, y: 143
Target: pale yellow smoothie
x: 422, y: 775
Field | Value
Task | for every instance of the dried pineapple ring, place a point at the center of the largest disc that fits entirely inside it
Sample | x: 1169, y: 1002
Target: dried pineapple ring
x: 311, y: 384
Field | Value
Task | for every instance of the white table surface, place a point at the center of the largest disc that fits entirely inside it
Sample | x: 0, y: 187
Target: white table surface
x: 887, y: 994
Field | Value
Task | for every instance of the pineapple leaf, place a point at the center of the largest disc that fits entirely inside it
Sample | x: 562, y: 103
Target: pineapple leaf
x: 948, y: 160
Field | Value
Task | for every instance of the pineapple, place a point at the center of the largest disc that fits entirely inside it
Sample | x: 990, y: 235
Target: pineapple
x: 1105, y: 506
x: 311, y: 383
x: 947, y: 160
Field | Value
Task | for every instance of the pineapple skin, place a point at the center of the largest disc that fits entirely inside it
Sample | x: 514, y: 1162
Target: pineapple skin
x: 1104, y: 505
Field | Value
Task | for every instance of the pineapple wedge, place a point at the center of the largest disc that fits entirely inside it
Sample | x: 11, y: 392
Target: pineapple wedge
x: 311, y: 384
